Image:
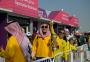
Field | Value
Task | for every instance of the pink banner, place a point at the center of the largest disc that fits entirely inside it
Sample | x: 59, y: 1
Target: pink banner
x: 23, y: 7
x: 54, y: 16
x: 7, y: 4
x: 26, y: 7
x: 64, y: 17
x: 74, y: 21
x: 59, y: 16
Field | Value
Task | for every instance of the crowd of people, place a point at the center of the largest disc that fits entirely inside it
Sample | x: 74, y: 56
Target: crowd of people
x: 44, y: 43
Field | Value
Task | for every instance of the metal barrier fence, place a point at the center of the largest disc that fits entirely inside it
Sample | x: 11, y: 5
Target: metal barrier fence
x: 48, y: 59
x: 2, y: 59
x: 58, y: 57
x: 73, y: 56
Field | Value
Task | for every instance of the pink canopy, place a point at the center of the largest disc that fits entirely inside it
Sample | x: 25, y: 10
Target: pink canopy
x: 74, y: 21
x: 59, y: 16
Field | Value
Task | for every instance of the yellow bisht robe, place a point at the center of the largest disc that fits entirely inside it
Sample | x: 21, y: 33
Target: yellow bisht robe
x: 13, y: 52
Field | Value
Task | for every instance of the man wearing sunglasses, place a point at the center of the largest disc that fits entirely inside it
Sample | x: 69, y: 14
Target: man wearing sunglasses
x: 40, y: 48
x: 45, y: 28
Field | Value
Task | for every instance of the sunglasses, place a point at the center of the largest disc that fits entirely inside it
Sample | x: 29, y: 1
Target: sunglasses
x: 44, y: 27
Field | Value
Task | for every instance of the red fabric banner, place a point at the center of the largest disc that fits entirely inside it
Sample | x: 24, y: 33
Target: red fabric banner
x: 74, y: 21
x: 23, y: 7
x: 59, y: 16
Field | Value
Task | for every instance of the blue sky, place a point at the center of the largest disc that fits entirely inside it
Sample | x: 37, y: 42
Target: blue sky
x: 79, y: 8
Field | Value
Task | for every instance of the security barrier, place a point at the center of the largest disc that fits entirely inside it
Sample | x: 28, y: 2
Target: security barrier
x: 48, y: 59
x: 58, y: 57
x: 2, y: 59
x: 73, y: 56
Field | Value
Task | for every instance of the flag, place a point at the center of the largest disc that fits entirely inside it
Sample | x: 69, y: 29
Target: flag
x: 15, y: 29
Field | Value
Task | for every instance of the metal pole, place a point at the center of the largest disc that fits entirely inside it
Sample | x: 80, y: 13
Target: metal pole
x: 31, y: 26
x: 71, y: 60
x: 2, y: 59
x: 82, y: 57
